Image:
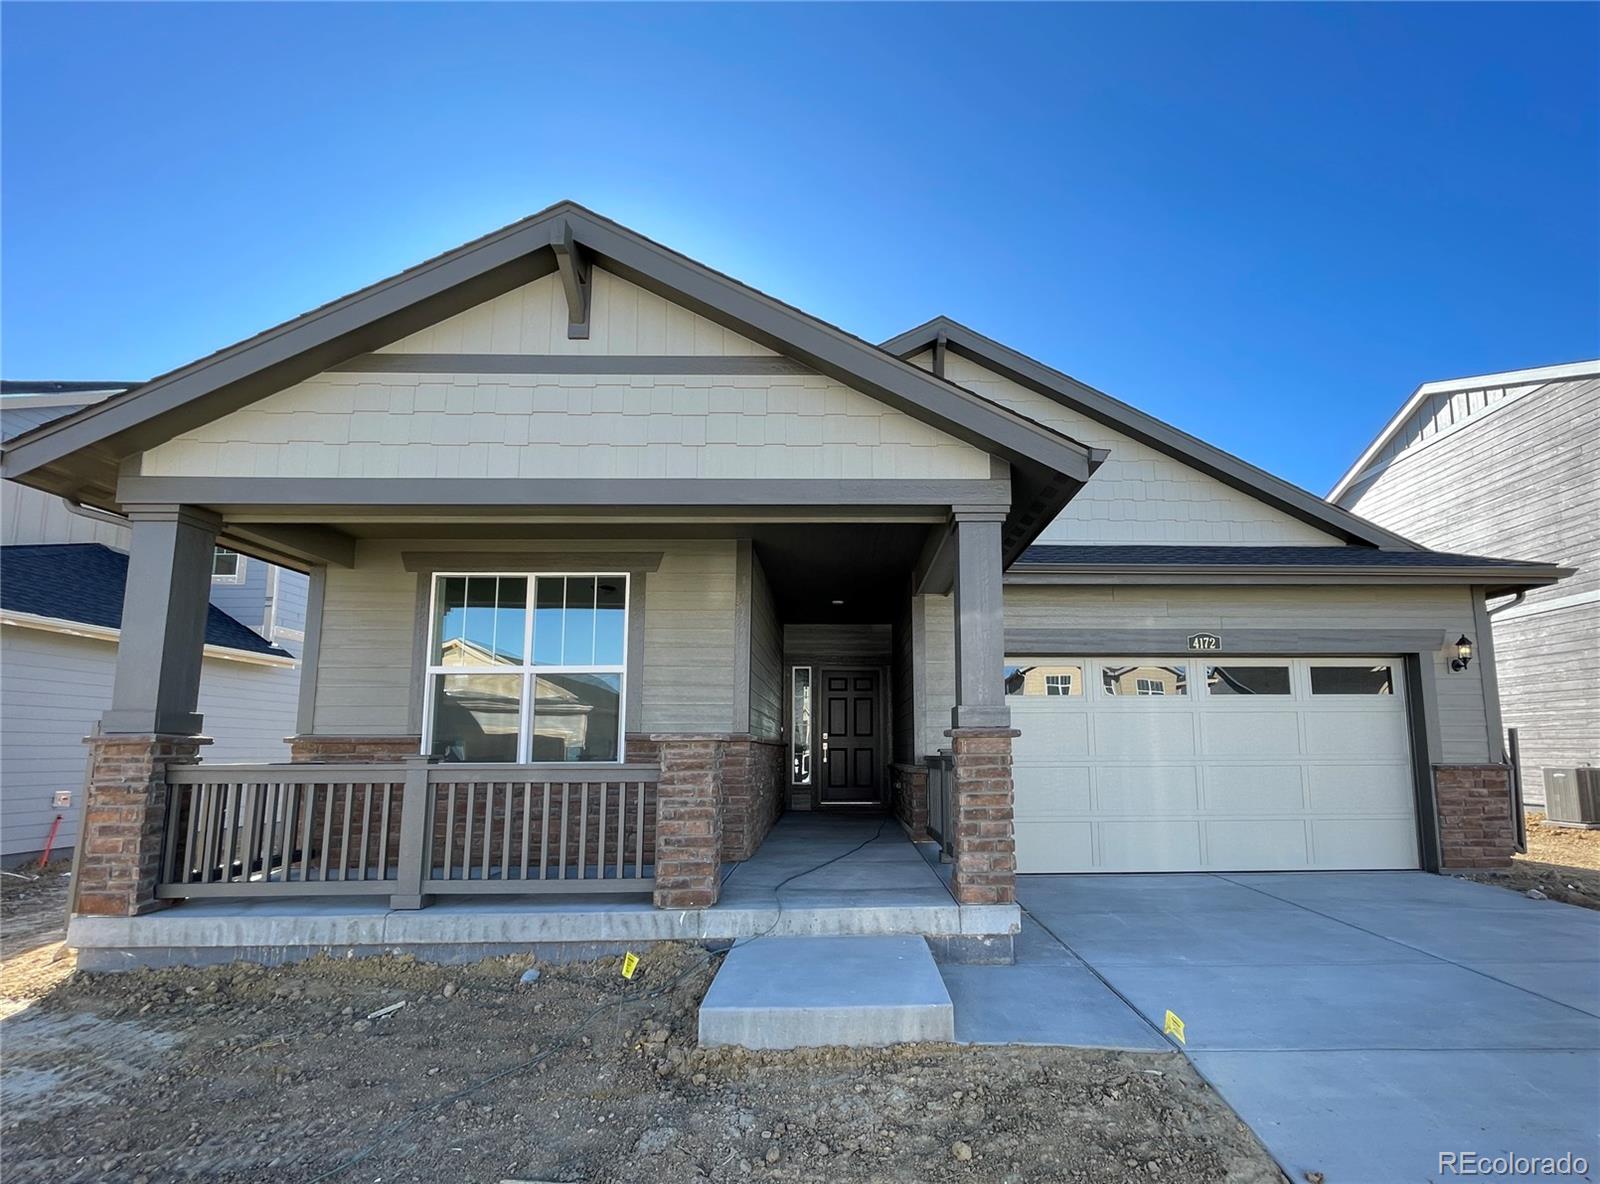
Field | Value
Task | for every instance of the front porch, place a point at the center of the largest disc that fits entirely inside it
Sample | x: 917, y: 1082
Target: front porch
x: 815, y: 875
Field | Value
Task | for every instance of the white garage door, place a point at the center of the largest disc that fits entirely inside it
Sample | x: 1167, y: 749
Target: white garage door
x: 1196, y: 764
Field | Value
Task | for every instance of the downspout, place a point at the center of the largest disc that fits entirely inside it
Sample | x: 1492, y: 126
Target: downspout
x: 1512, y: 603
x: 76, y: 507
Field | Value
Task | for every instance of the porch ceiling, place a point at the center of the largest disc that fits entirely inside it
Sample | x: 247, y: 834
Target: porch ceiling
x: 866, y: 565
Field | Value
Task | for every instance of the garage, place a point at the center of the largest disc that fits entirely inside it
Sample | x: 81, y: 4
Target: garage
x: 1186, y: 763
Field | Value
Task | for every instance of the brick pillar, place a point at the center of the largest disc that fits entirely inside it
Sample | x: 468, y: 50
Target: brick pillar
x: 124, y: 821
x: 688, y: 857
x: 1476, y: 829
x: 911, y: 799
x: 980, y: 823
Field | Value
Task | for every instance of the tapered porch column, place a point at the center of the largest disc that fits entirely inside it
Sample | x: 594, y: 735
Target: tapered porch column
x: 980, y: 734
x: 153, y: 723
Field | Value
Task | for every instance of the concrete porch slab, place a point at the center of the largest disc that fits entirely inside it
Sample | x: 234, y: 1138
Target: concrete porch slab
x: 812, y: 992
x: 876, y: 885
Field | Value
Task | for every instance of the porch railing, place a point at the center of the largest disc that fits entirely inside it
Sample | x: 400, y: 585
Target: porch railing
x: 941, y: 774
x: 407, y: 830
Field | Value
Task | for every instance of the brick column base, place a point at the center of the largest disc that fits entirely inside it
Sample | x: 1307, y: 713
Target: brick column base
x: 985, y: 858
x: 908, y: 785
x: 355, y: 750
x: 1476, y: 829
x: 125, y: 820
x: 688, y: 858
x: 752, y: 797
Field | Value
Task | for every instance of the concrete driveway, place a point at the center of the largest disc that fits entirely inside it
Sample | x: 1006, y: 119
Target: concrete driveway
x: 1362, y: 1023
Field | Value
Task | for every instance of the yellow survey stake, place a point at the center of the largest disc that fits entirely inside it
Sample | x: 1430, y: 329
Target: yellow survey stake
x: 1174, y: 1027
x: 630, y: 963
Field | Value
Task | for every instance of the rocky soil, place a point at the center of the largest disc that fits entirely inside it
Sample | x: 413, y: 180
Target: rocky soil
x: 239, y: 1073
x: 1562, y: 863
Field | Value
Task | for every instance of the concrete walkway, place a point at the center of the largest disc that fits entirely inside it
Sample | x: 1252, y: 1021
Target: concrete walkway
x: 1361, y: 1023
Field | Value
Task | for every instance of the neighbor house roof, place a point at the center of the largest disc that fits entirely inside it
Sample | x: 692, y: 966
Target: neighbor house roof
x: 26, y: 405
x: 1322, y: 564
x: 943, y: 333
x: 1538, y: 375
x: 84, y: 583
x: 79, y: 453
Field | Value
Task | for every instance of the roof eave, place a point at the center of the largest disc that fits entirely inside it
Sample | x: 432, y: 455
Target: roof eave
x: 1240, y: 474
x: 1495, y: 579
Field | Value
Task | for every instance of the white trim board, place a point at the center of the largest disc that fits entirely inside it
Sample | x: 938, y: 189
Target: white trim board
x: 106, y: 633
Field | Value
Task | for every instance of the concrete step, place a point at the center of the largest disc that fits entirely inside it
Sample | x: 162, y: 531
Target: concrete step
x: 809, y: 992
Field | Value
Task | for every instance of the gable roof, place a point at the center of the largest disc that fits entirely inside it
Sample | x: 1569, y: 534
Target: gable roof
x: 78, y: 454
x: 1538, y: 375
x: 84, y: 582
x: 1148, y: 430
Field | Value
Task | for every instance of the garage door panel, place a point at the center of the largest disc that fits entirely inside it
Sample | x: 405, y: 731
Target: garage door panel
x: 1360, y: 789
x: 1058, y: 734
x: 1265, y: 844
x: 1254, y: 789
x: 1132, y: 846
x: 1370, y: 732
x: 1146, y: 789
x: 1055, y: 846
x: 1363, y: 843
x: 1212, y: 782
x: 1154, y: 730
x: 1229, y: 733
x: 1051, y: 791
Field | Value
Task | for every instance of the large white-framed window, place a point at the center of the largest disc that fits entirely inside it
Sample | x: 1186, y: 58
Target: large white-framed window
x: 526, y: 666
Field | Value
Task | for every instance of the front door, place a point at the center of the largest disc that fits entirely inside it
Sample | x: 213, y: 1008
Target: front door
x: 852, y: 738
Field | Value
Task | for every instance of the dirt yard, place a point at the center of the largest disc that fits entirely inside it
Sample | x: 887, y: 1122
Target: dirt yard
x: 1562, y: 862
x: 238, y: 1073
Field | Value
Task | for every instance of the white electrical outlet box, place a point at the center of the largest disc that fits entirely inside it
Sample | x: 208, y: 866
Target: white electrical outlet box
x: 63, y: 799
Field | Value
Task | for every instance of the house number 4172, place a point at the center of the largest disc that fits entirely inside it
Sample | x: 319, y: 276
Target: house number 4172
x: 1204, y: 641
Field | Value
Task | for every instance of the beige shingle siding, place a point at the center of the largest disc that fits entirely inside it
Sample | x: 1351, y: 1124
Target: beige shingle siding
x: 730, y: 426
x: 365, y: 684
x: 1462, y: 719
x: 624, y: 319
x: 1139, y: 495
x: 1518, y: 478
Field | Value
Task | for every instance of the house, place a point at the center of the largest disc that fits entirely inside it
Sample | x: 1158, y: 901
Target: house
x: 614, y: 559
x: 62, y: 573
x: 1504, y: 463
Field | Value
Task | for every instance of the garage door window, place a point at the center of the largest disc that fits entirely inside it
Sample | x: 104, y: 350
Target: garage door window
x: 1050, y: 679
x: 1145, y: 681
x: 1352, y: 680
x: 1247, y: 680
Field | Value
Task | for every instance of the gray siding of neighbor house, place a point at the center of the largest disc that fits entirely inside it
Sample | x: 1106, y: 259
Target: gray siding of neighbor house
x: 1463, y: 726
x: 55, y: 688
x: 766, y: 658
x: 247, y: 601
x: 1514, y: 472
x: 30, y: 516
x: 365, y: 684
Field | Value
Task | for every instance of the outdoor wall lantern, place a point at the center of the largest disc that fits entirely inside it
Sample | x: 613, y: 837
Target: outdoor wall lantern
x: 1463, y: 657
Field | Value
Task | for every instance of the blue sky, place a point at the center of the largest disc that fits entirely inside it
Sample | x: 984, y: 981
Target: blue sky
x: 1264, y: 224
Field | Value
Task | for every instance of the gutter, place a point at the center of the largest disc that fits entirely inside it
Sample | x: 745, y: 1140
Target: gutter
x: 107, y: 633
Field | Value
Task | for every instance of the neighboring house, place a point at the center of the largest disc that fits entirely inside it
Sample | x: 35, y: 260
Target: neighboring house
x: 1502, y: 464
x: 613, y: 559
x: 62, y: 575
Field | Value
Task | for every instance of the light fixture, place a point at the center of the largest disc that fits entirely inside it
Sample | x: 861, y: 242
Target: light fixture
x: 836, y: 603
x: 1463, y: 657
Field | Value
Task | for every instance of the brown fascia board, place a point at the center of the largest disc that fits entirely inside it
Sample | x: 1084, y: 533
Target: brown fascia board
x: 53, y: 455
x: 1192, y: 451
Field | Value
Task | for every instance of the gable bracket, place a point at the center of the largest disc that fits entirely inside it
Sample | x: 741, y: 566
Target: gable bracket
x: 576, y: 275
